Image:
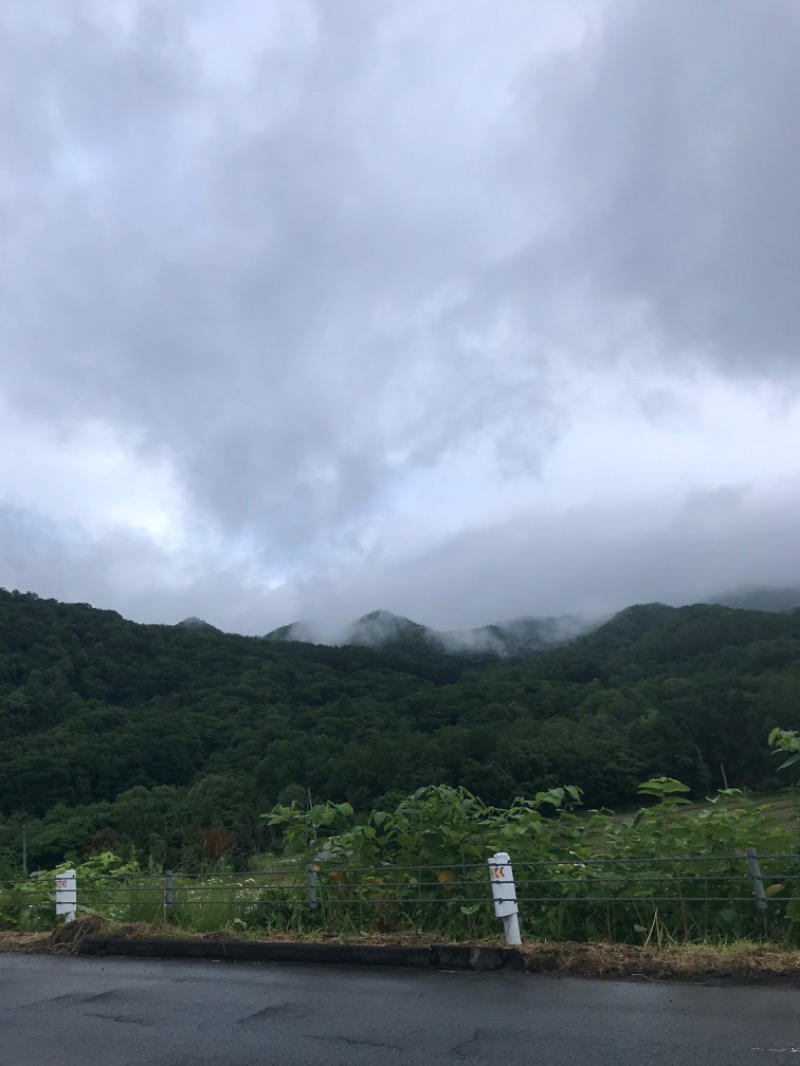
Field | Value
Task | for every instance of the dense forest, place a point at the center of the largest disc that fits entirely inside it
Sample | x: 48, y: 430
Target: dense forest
x: 170, y: 742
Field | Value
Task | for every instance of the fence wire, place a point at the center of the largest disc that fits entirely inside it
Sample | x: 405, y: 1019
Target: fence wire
x: 569, y: 895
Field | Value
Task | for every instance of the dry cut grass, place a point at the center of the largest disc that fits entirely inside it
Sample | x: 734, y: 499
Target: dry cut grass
x: 15, y: 941
x: 740, y: 961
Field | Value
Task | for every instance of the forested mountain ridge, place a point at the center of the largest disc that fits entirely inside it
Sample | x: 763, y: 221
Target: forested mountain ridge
x: 148, y: 735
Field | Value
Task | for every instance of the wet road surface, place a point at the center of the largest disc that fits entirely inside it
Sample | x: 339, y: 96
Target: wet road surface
x: 63, y: 1011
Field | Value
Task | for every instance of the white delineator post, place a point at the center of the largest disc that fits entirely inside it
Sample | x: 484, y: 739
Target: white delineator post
x: 66, y: 895
x: 505, y: 895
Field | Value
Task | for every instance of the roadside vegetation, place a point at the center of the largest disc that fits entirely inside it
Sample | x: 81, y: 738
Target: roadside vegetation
x: 669, y: 874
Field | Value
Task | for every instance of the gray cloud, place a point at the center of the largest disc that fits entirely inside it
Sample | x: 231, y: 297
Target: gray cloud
x: 304, y: 254
x: 241, y: 282
x: 673, y: 132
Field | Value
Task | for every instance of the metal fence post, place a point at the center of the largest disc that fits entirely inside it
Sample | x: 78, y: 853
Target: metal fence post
x: 169, y: 893
x: 504, y: 893
x: 311, y: 870
x: 66, y: 895
x: 754, y: 867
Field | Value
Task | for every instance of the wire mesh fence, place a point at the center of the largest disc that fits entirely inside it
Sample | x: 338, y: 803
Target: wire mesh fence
x: 631, y: 899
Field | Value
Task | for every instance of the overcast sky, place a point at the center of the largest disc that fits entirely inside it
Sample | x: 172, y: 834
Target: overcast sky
x: 464, y: 309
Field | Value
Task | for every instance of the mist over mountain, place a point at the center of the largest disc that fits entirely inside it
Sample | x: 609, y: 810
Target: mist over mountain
x: 302, y: 632
x: 518, y: 636
x: 384, y: 629
x: 760, y: 598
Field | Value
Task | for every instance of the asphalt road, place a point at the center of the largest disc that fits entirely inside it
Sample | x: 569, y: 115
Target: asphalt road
x: 63, y: 1011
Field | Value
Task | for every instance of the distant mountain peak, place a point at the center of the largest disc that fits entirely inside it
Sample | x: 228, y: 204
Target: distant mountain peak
x: 382, y: 616
x: 383, y: 627
x: 197, y: 623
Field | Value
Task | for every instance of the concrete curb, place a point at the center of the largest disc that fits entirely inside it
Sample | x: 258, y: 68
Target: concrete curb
x: 437, y: 956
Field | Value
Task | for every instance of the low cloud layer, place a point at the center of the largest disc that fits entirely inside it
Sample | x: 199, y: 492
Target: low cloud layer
x: 460, y: 310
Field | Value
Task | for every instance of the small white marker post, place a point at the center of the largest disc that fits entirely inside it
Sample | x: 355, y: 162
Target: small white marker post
x: 66, y: 895
x: 505, y: 895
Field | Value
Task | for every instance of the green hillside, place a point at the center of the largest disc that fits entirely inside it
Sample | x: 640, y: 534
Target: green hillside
x: 146, y: 737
